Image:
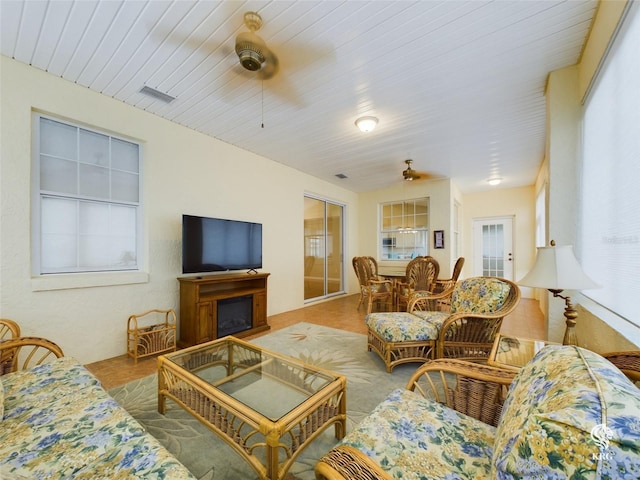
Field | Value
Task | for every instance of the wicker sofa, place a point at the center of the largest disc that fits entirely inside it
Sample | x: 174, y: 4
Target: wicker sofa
x: 569, y: 413
x: 56, y: 421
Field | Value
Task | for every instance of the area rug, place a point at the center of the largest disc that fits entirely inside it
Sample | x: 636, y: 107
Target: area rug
x: 208, y: 457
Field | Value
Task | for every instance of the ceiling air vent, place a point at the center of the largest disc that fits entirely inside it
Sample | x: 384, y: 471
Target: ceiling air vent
x: 152, y: 92
x: 341, y: 175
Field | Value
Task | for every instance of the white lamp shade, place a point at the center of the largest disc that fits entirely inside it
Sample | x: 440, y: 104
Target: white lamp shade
x: 556, y: 268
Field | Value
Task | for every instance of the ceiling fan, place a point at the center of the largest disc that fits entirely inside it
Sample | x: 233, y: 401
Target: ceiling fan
x: 409, y: 174
x: 252, y: 50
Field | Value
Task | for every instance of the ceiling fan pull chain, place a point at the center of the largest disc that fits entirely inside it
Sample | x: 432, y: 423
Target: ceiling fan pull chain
x: 262, y: 103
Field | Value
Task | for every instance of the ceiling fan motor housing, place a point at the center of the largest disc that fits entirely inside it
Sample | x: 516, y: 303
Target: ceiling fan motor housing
x: 250, y: 49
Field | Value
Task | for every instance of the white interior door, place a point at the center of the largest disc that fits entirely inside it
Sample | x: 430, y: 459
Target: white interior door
x: 493, y: 247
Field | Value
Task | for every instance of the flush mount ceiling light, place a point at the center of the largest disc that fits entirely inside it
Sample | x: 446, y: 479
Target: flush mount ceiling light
x: 494, y: 181
x: 366, y: 124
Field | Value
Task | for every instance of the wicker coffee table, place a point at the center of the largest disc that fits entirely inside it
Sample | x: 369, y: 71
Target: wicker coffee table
x: 267, y: 406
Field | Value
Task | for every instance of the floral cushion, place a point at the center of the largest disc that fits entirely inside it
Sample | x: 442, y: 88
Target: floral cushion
x: 1, y: 400
x: 479, y: 295
x: 406, y: 327
x: 60, y: 423
x: 413, y: 438
x: 554, y: 404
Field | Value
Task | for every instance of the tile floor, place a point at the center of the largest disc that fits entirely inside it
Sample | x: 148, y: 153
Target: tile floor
x: 527, y: 321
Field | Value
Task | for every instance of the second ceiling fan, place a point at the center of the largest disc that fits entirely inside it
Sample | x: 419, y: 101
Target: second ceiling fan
x: 409, y: 174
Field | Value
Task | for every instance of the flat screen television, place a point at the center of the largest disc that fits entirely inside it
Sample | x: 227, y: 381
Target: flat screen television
x: 218, y: 245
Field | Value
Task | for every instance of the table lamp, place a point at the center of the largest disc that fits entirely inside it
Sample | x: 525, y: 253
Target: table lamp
x: 556, y: 269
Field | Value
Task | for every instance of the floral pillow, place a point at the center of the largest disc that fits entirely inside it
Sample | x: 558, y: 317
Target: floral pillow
x: 569, y: 414
x: 1, y: 400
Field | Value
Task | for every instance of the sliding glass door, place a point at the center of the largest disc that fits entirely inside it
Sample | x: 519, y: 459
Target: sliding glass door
x: 323, y: 248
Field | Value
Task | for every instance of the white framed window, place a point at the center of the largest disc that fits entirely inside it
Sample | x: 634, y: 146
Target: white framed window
x: 404, y: 230
x: 609, y: 234
x: 86, y: 208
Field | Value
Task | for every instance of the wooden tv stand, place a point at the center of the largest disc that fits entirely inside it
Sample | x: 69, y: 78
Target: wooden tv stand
x: 199, y: 298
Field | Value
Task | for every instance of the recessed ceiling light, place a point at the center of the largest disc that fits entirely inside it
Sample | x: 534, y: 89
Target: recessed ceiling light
x: 366, y: 124
x: 494, y: 181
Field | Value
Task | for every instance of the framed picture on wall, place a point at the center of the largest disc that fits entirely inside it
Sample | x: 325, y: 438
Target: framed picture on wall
x: 438, y: 239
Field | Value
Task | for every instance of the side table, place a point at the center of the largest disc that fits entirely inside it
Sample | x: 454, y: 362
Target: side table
x: 512, y: 353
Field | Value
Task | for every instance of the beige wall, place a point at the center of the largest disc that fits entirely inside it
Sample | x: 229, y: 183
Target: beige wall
x: 184, y: 172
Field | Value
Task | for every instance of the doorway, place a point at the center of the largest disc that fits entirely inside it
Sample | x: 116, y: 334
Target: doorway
x: 493, y: 247
x: 323, y: 248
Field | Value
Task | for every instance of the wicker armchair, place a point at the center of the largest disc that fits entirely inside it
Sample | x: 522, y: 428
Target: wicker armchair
x: 372, y: 287
x: 435, y: 327
x: 476, y: 390
x: 25, y: 352
x: 469, y: 331
x: 421, y: 276
x: 628, y: 362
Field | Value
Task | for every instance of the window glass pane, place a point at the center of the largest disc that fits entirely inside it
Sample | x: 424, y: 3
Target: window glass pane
x: 124, y: 186
x: 94, y: 148
x: 323, y: 248
x: 94, y: 181
x: 107, y: 238
x: 58, y: 139
x: 94, y: 240
x: 57, y: 175
x: 493, y: 250
x: 122, y: 226
x: 58, y: 235
x: 124, y: 155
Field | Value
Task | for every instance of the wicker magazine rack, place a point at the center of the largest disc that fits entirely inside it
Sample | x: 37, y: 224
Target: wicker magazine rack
x: 151, y: 332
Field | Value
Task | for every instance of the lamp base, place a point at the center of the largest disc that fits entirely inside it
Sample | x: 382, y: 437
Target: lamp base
x: 570, y: 337
x: 570, y: 313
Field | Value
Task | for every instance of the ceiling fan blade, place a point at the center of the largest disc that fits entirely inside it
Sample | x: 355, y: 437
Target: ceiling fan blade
x: 270, y: 67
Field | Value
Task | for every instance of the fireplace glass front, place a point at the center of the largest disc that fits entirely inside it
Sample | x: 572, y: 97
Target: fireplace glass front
x: 234, y: 315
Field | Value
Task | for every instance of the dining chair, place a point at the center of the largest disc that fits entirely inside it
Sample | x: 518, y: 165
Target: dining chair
x: 372, y: 287
x: 421, y: 275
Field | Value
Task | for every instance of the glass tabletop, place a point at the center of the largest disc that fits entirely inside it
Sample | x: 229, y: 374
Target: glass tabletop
x: 264, y: 381
x: 514, y: 352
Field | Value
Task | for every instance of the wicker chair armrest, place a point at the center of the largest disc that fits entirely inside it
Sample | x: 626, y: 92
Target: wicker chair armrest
x: 428, y: 301
x: 627, y: 361
x: 442, y: 284
x: 8, y: 329
x: 423, y: 295
x: 26, y: 352
x: 381, y: 282
x: 347, y: 463
x: 474, y: 389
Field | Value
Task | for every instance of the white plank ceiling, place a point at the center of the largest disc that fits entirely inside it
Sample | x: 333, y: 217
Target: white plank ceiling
x: 458, y: 86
